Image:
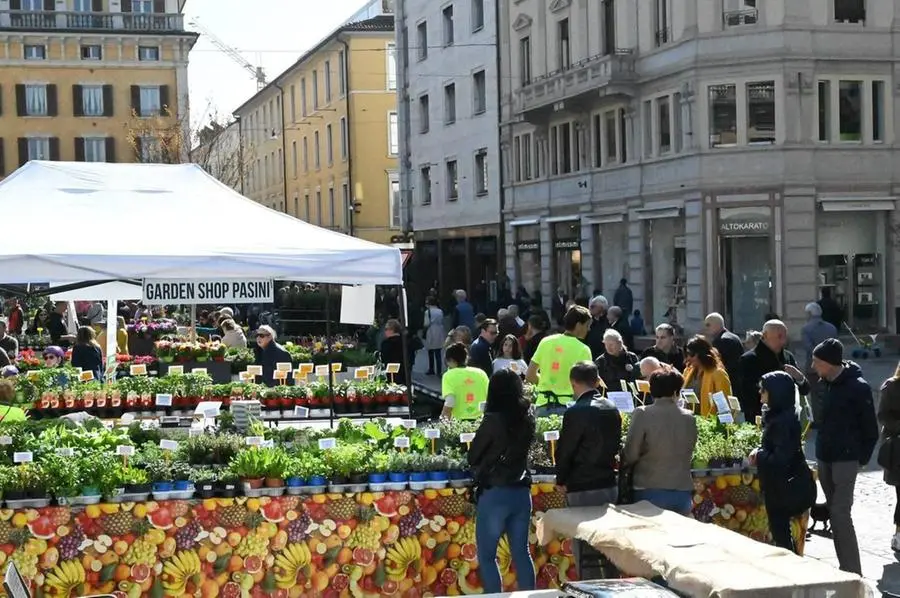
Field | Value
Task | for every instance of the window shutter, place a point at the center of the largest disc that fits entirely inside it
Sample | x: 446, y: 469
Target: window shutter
x: 79, y: 149
x: 20, y: 100
x: 1, y: 100
x: 136, y: 99
x: 97, y: 5
x: 110, y: 149
x: 49, y: 5
x: 51, y: 100
x: 54, y: 149
x: 138, y: 149
x: 159, y: 6
x: 164, y: 109
x: 77, y: 100
x: 126, y: 5
x: 2, y: 160
x: 23, y: 150
x: 107, y: 100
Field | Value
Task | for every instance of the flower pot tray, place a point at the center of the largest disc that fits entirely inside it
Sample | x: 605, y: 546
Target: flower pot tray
x: 135, y: 497
x: 76, y: 501
x: 543, y: 479
x: 174, y: 495
x: 28, y: 503
x: 464, y: 483
x: 219, y: 371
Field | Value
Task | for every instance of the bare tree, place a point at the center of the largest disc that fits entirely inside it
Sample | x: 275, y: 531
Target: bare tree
x: 160, y: 139
x: 218, y: 149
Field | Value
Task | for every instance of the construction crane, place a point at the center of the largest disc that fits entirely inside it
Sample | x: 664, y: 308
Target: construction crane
x: 257, y: 71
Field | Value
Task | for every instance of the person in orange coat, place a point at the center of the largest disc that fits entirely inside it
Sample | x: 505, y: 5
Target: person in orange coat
x: 704, y: 373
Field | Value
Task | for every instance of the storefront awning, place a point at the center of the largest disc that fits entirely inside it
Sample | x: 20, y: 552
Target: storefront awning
x: 525, y: 222
x: 607, y: 219
x: 658, y: 213
x: 857, y: 204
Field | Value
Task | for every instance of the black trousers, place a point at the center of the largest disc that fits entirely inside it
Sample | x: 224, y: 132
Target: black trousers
x: 897, y: 507
x: 434, y: 361
x: 780, y: 527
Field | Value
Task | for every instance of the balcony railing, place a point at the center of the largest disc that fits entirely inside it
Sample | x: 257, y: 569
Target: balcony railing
x: 736, y: 18
x: 588, y: 76
x: 27, y: 20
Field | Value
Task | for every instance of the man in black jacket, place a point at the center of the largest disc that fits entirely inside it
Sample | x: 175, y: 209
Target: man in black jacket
x: 481, y: 352
x: 589, y: 441
x: 769, y: 355
x: 594, y: 339
x: 729, y: 346
x: 845, y: 442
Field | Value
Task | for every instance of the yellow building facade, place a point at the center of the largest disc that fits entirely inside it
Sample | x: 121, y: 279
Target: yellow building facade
x: 90, y: 80
x: 323, y: 135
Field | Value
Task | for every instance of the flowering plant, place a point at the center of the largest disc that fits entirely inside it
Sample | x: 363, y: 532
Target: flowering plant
x: 153, y: 328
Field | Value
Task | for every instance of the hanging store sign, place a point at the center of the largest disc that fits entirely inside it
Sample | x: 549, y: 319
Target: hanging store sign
x: 738, y: 228
x: 567, y: 244
x: 193, y: 292
x: 528, y: 246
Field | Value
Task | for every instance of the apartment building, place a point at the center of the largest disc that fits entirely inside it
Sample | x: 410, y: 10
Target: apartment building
x: 75, y: 73
x: 449, y: 142
x: 220, y: 153
x: 729, y: 155
x: 324, y: 134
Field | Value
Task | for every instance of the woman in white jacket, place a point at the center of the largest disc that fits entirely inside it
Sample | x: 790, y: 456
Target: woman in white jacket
x: 234, y: 335
x: 433, y: 325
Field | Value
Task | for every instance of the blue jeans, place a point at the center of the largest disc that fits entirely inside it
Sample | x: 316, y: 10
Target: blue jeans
x: 506, y: 509
x: 670, y: 500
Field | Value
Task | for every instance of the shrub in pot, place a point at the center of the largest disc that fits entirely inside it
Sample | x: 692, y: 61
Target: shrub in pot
x: 276, y: 466
x: 62, y: 479
x: 379, y: 466
x: 437, y: 467
x: 159, y: 474
x: 133, y: 480
x: 250, y: 465
x: 181, y: 476
x: 226, y: 483
x: 400, y: 466
x: 204, y: 480
x: 347, y: 463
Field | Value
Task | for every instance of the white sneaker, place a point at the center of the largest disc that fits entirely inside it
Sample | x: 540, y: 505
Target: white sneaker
x: 895, y: 542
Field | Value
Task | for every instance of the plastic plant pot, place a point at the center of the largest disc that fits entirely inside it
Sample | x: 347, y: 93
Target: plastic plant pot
x: 378, y: 478
x: 181, y: 486
x: 398, y: 477
x: 359, y: 478
x: 458, y: 474
x: 294, y: 482
x: 438, y: 476
x: 163, y: 486
x: 418, y: 477
x: 90, y: 491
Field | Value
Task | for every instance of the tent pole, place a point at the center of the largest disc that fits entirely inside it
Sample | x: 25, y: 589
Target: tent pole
x: 112, y: 334
x: 328, y: 354
x: 193, y: 323
x: 407, y: 366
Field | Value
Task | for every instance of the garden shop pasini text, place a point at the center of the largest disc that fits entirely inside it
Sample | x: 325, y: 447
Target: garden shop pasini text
x: 212, y: 291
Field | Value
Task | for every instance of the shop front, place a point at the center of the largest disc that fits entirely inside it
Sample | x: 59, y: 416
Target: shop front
x: 527, y: 239
x: 665, y: 265
x: 746, y: 285
x: 567, y: 256
x: 610, y: 253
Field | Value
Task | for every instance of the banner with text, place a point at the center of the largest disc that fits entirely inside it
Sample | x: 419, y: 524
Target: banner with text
x: 219, y: 292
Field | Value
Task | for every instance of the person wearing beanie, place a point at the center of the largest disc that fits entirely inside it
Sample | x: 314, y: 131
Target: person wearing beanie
x: 848, y: 433
x: 770, y: 355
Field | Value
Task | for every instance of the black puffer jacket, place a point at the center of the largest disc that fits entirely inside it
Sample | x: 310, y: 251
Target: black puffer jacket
x: 780, y: 437
x: 848, y: 430
x: 614, y: 369
x: 590, y: 439
x: 499, y: 453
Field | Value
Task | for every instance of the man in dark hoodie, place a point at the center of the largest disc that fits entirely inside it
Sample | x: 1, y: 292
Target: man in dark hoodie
x: 845, y: 441
x: 769, y: 355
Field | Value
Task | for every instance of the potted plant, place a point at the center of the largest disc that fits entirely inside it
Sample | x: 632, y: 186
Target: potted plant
x: 347, y: 463
x: 418, y: 471
x: 27, y: 481
x: 399, y: 466
x: 459, y: 469
x: 293, y: 473
x: 379, y: 466
x: 276, y: 465
x: 340, y: 399
x: 134, y: 481
x: 315, y: 470
x: 249, y: 466
x: 366, y: 396
x: 159, y: 474
x: 181, y: 476
x: 62, y: 479
x: 226, y: 483
x: 204, y: 480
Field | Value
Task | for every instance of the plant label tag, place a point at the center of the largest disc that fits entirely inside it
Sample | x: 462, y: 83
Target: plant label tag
x: 409, y: 424
x: 175, y: 370
x: 643, y: 386
x: 721, y: 402
x: 254, y: 440
x: 284, y: 366
x: 126, y: 419
x: 267, y: 444
x: 734, y: 403
x: 689, y: 396
x: 65, y: 452
x: 195, y: 430
x: 432, y: 433
x: 138, y: 370
x: 163, y: 400
x: 256, y: 370
x: 624, y: 385
x: 5, y: 440
x: 86, y: 376
x: 23, y: 457
x: 209, y: 409
x: 306, y: 368
x: 33, y: 374
x: 326, y: 444
x: 467, y: 437
x: 168, y: 445
x: 392, y: 368
x: 726, y: 417
x: 246, y: 377
x: 401, y: 442
x: 321, y: 370
x: 337, y: 367
x: 624, y: 401
x: 361, y: 373
x: 280, y: 375
x: 199, y: 372
x: 551, y: 435
x: 301, y: 412
x: 300, y: 375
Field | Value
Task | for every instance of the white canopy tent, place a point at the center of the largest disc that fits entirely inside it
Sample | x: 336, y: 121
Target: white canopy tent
x: 107, y: 291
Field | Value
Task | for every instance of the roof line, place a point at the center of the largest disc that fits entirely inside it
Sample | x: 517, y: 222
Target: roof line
x: 378, y: 24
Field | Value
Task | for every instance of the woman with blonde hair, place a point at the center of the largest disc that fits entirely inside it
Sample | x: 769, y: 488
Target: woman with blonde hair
x: 460, y: 334
x: 233, y: 336
x: 86, y: 354
x: 704, y: 373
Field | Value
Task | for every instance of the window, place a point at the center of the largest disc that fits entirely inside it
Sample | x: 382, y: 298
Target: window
x: 525, y: 60
x: 148, y: 53
x: 344, y: 138
x: 94, y: 149
x: 38, y: 148
x: 739, y: 12
x: 393, y: 134
x: 91, y: 52
x: 345, y: 200
x: 647, y: 128
x: 36, y: 101
x: 663, y: 121
x: 452, y: 180
x: 306, y: 207
x: 296, y: 207
x: 396, y: 203
x: 303, y: 110
x: 293, y: 103
x: 92, y: 100
x: 425, y: 184
x: 450, y: 104
x: 850, y: 110
x: 761, y: 112
x: 678, y: 125
x: 329, y: 145
x: 422, y: 40
x: 319, y: 207
x: 517, y: 159
x: 35, y: 52
x: 609, y: 27
x: 561, y: 148
x: 331, y: 208
x: 554, y: 150
x: 623, y: 137
x: 448, y: 25
x: 305, y: 151
x: 612, y: 137
x: 878, y: 111
x: 280, y: 165
x: 342, y: 73
x: 481, y: 172
x: 266, y: 171
x: 142, y: 6
x: 850, y: 11
x: 316, y: 158
x: 526, y: 156
x: 327, y: 71
x: 150, y: 104
x: 392, y: 66
x: 563, y: 50
x: 477, y: 15
x: 315, y: 90
x: 722, y: 115
x: 424, y: 119
x: 294, y: 158
x: 824, y: 105
x: 663, y: 35
x: 480, y: 92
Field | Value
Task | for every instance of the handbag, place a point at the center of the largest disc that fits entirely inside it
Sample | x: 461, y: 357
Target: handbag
x: 795, y: 493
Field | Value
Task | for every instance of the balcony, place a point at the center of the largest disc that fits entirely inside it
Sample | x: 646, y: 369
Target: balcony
x: 30, y: 20
x: 736, y: 18
x: 583, y: 82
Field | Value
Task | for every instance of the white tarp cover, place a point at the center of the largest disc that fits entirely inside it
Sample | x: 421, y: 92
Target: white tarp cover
x: 108, y: 291
x: 96, y: 221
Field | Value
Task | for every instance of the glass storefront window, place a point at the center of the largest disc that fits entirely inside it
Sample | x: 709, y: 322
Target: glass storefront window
x: 567, y: 252
x: 666, y: 267
x: 745, y: 259
x: 528, y: 258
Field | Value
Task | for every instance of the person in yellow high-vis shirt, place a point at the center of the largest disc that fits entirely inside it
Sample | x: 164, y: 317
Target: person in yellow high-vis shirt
x: 556, y: 354
x: 464, y: 388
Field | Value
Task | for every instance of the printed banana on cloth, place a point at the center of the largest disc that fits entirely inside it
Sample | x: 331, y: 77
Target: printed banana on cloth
x: 694, y: 558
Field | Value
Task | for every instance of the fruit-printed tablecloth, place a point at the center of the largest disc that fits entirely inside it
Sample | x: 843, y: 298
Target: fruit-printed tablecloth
x: 732, y: 499
x: 330, y: 545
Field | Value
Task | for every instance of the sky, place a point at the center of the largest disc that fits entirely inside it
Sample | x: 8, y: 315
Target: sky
x: 273, y: 36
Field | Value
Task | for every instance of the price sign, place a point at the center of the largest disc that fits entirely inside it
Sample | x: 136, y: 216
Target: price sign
x: 337, y: 367
x: 690, y: 397
x: 65, y: 452
x: 5, y: 440
x: 734, y: 403
x: 246, y: 377
x: 300, y: 375
x: 280, y: 375
x: 624, y: 401
x: 467, y: 437
x: 721, y: 402
x: 726, y: 417
x: 306, y: 368
x: 199, y: 371
x: 551, y: 435
x: 168, y: 445
x: 256, y: 370
x: 392, y: 368
x: 401, y: 442
x: 175, y: 370
x: 86, y: 376
x: 326, y: 444
x: 195, y: 430
x: 267, y: 444
x: 643, y: 386
x: 432, y: 433
x: 301, y: 412
x: 33, y: 374
x: 138, y: 370
x: 127, y: 418
x: 361, y: 373
x: 254, y: 440
x: 284, y: 366
x: 409, y: 424
x: 163, y: 400
x: 23, y: 457
x: 321, y: 370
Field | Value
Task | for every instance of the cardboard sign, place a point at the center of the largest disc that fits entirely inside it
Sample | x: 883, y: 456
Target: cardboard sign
x: 200, y: 371
x: 86, y: 376
x: 401, y: 442
x: 690, y: 397
x: 734, y: 403
x: 361, y: 373
x: 33, y: 374
x: 721, y: 402
x: 253, y: 440
x: 284, y: 366
x: 211, y: 291
x: 301, y: 412
x: 392, y: 368
x: 467, y: 437
x: 337, y: 367
x: 551, y: 435
x: 279, y: 375
x: 300, y: 375
x: 246, y: 377
x: 725, y: 417
x: 432, y: 433
x: 163, y: 400
x: 409, y: 424
x: 168, y: 445
x: 326, y: 444
x: 23, y: 457
x: 256, y: 370
x: 175, y: 370
x: 321, y: 370
x: 643, y: 386
x: 138, y: 370
x: 306, y: 368
x: 624, y: 401
x: 5, y: 440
